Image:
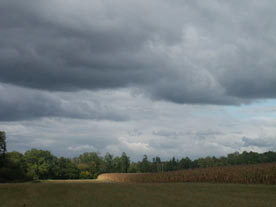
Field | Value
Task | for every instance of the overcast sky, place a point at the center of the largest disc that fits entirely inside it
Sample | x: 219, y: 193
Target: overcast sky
x: 160, y: 77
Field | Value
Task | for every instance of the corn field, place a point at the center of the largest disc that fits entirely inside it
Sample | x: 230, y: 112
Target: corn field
x: 245, y: 174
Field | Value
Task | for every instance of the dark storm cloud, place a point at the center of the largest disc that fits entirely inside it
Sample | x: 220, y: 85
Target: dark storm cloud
x: 45, y: 54
x: 25, y: 104
x: 211, y: 52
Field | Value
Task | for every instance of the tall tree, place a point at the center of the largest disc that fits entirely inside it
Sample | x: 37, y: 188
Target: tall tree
x: 41, y: 163
x: 185, y: 163
x: 108, y: 158
x: 125, y: 162
x: 144, y: 166
x: 66, y: 169
x: 3, y: 148
x: 92, y: 163
x: 156, y: 164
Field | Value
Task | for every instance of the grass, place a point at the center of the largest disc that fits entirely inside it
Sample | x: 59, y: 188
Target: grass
x: 99, y: 194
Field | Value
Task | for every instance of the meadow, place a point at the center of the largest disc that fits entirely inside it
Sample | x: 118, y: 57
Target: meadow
x: 100, y: 194
x: 243, y: 186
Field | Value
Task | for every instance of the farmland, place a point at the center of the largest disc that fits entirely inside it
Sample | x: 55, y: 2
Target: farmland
x: 244, y: 174
x: 99, y: 194
x: 193, y: 187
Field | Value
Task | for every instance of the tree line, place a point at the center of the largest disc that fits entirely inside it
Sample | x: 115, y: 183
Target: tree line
x: 38, y: 164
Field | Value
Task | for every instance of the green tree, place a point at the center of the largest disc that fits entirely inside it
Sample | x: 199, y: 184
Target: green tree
x: 133, y: 168
x: 93, y: 162
x: 125, y: 162
x: 85, y: 170
x: 156, y: 164
x: 116, y: 163
x: 3, y: 148
x: 185, y: 163
x: 206, y: 162
x: 15, y: 168
x: 234, y: 158
x: 108, y: 159
x: 66, y: 169
x: 41, y: 163
x: 144, y: 166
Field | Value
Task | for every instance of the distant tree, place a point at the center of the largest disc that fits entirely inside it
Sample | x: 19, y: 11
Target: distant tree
x: 174, y: 163
x: 133, y: 168
x: 15, y: 168
x: 108, y: 158
x: 125, y: 162
x: 93, y: 162
x: 3, y: 148
x: 85, y: 170
x: 185, y: 163
x: 156, y: 164
x: 268, y: 157
x: 116, y: 164
x: 234, y: 158
x: 41, y: 163
x: 66, y: 169
x: 170, y: 165
x: 144, y: 166
x: 222, y: 161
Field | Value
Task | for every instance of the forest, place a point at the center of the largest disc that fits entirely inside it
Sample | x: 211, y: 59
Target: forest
x: 37, y: 164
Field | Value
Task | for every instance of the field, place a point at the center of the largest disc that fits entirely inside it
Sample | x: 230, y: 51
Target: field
x: 191, y: 188
x: 244, y: 174
x: 98, y: 194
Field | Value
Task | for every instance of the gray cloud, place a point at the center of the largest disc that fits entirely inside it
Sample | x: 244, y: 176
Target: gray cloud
x: 209, y: 52
x: 154, y: 128
x: 24, y: 104
x: 260, y: 142
x: 164, y: 133
x: 145, y: 77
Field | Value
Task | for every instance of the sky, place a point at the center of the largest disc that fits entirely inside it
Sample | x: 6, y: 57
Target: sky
x: 162, y: 77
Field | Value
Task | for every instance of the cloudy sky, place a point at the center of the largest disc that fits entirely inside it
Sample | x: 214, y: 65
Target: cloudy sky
x: 160, y: 77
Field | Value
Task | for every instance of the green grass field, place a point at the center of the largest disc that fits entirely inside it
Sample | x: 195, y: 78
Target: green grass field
x: 94, y: 194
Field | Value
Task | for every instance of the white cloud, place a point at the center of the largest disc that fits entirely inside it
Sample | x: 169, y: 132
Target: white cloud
x: 82, y: 148
x: 153, y: 128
